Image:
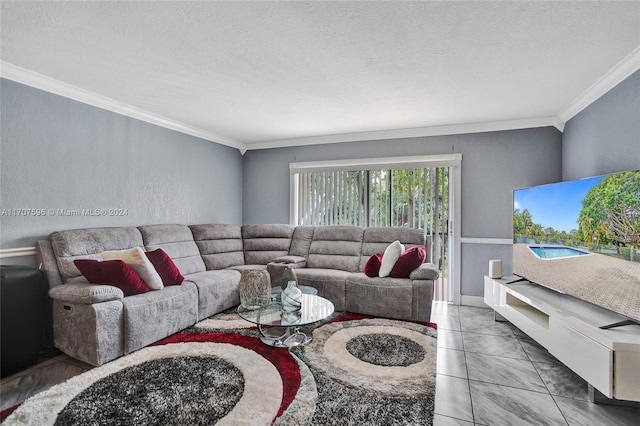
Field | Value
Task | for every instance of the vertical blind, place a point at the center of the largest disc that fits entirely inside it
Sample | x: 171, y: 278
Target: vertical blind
x: 414, y: 198
x: 332, y: 198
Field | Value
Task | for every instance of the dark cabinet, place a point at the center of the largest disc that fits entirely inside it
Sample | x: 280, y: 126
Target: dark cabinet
x: 22, y: 308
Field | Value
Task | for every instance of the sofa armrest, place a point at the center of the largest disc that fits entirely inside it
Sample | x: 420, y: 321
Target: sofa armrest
x: 426, y: 271
x: 293, y: 261
x: 47, y: 262
x: 86, y: 294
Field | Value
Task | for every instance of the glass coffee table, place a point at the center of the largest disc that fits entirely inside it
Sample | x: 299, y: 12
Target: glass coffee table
x: 281, y: 329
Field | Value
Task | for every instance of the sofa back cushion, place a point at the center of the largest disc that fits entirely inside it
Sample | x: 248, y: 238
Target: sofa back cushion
x: 177, y: 241
x: 219, y: 245
x: 336, y: 247
x: 377, y: 238
x: 264, y: 243
x: 301, y: 241
x: 89, y: 243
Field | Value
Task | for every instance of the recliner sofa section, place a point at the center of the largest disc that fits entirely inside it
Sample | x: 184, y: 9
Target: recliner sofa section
x: 97, y: 323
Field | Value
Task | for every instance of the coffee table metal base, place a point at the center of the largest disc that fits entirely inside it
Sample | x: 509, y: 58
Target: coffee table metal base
x: 288, y: 338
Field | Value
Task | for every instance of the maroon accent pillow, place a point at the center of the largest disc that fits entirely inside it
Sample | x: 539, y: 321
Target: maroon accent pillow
x: 112, y: 272
x: 165, y: 267
x: 409, y: 260
x: 372, y: 267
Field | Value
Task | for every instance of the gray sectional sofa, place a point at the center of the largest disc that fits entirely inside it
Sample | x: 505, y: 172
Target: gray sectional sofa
x: 97, y: 323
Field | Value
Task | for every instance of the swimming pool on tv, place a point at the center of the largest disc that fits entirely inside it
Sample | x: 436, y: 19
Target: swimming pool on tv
x: 556, y: 252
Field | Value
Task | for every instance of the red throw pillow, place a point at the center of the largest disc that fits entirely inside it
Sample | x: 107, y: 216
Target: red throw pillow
x: 112, y: 272
x: 409, y: 260
x: 165, y: 267
x: 372, y: 267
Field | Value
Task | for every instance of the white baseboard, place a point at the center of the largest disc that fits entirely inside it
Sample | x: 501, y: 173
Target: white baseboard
x: 473, y: 301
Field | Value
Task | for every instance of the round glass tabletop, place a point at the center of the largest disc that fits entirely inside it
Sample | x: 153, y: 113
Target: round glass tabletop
x: 314, y: 309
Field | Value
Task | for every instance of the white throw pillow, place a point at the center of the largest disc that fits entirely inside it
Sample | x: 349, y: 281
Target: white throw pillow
x: 389, y: 258
x: 136, y: 258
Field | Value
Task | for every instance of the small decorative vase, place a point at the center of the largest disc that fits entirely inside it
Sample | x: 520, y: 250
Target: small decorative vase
x: 291, y: 298
x: 288, y: 275
x: 255, y: 289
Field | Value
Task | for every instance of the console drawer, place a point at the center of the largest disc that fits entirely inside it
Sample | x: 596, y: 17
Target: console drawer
x: 587, y: 358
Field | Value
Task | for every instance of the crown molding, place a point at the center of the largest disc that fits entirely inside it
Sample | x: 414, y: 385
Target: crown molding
x: 622, y: 70
x: 454, y: 129
x: 626, y: 67
x: 57, y: 87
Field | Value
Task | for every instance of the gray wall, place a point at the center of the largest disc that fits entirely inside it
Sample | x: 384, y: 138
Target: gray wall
x: 493, y: 165
x: 57, y: 153
x: 605, y: 136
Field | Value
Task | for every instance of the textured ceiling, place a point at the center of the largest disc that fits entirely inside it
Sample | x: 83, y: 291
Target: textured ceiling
x: 253, y: 74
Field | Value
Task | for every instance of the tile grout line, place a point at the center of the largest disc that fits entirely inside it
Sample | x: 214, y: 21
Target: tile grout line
x: 464, y: 351
x: 542, y: 380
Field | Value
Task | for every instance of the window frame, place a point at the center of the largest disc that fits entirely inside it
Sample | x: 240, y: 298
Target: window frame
x: 413, y: 162
x: 454, y: 161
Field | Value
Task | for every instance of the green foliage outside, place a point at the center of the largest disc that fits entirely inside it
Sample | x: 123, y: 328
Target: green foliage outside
x: 609, y: 221
x: 408, y: 197
x: 413, y: 198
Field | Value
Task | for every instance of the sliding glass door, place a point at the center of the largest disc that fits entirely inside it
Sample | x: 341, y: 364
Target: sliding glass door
x: 416, y: 197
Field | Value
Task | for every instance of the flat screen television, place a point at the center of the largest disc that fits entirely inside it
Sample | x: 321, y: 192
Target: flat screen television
x: 582, y: 238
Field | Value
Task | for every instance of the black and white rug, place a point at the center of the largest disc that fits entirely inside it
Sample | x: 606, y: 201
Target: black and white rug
x: 357, y: 370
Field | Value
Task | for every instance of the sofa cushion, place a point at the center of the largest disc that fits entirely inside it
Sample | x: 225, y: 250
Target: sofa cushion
x: 301, y: 241
x: 336, y: 247
x: 372, y: 267
x: 220, y: 245
x: 177, y: 241
x: 330, y: 283
x: 88, y: 243
x: 217, y: 291
x: 389, y: 258
x: 152, y: 316
x: 377, y: 238
x: 114, y: 273
x: 384, y: 297
x: 408, y: 261
x: 136, y: 258
x: 166, y: 268
x: 264, y: 243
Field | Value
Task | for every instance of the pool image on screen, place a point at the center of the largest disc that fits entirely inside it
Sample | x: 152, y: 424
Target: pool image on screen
x: 556, y: 252
x: 582, y: 238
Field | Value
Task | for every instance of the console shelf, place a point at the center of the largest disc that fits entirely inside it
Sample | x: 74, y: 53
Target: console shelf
x: 608, y: 359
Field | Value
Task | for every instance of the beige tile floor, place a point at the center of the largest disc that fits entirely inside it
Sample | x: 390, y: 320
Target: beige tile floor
x: 488, y: 373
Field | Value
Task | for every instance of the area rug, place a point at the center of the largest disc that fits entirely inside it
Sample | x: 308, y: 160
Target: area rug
x: 357, y: 370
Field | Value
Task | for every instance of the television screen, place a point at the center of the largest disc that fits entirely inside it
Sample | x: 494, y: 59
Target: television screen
x: 582, y: 238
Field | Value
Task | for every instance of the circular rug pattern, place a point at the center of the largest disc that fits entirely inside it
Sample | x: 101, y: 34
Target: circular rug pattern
x: 171, y: 391
x: 255, y: 406
x: 386, y: 349
x: 356, y: 370
x: 328, y: 353
x: 357, y: 384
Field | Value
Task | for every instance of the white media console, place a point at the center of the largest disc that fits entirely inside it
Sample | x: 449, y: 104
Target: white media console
x: 568, y: 328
